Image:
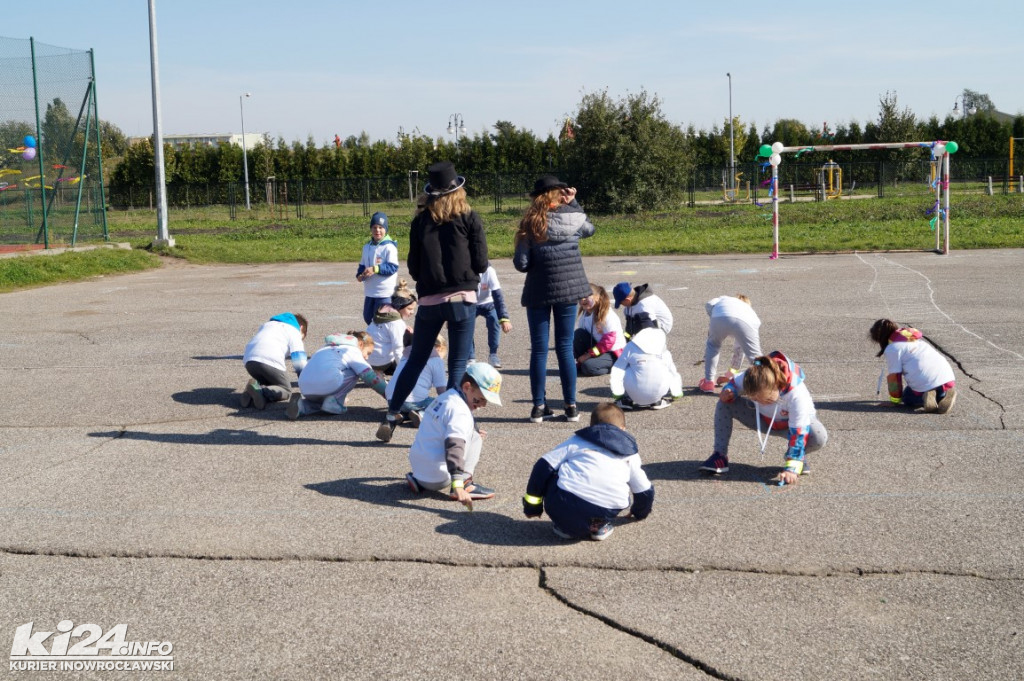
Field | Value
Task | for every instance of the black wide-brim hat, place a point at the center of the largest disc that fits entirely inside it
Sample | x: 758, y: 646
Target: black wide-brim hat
x: 442, y: 179
x: 545, y: 184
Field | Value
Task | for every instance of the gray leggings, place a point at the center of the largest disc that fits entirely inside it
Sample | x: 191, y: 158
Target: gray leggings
x: 743, y: 411
x: 746, y: 342
x: 276, y: 384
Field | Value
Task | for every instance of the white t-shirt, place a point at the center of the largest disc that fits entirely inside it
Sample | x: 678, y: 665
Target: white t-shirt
x: 273, y: 343
x: 645, y: 370
x: 388, y: 342
x: 922, y: 366
x: 655, y: 308
x: 488, y: 282
x: 596, y: 475
x: 434, y: 375
x: 795, y: 405
x: 610, y: 324
x: 331, y: 368
x: 733, y: 308
x: 447, y: 417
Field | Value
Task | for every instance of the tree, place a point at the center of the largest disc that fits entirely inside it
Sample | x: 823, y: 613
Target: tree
x: 625, y: 156
x: 976, y: 102
x: 895, y: 125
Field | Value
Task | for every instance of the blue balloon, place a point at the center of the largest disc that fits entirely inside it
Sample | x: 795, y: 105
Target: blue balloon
x: 30, y: 141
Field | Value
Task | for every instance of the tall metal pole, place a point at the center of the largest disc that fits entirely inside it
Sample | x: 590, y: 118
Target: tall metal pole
x: 732, y: 154
x: 163, y: 238
x: 39, y: 147
x: 245, y: 157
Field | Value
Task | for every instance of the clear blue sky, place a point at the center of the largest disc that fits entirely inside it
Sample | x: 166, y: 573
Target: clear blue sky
x: 319, y: 68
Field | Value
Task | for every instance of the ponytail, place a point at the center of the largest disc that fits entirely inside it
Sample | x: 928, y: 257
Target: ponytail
x: 763, y: 376
x: 880, y: 332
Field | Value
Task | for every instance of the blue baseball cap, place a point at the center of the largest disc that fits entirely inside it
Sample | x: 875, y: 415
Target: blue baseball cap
x: 621, y: 290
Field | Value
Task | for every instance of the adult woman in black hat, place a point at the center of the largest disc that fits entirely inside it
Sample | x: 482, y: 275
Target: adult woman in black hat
x: 548, y: 250
x: 447, y: 254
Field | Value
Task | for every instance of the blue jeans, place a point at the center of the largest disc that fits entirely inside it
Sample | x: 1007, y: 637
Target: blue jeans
x: 429, y: 319
x: 490, y: 316
x: 539, y: 321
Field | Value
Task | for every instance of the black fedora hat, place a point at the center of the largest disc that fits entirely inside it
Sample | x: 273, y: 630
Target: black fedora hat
x: 442, y: 179
x: 545, y: 184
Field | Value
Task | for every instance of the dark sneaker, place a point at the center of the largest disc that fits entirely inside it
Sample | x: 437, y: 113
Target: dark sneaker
x: 540, y: 413
x: 414, y: 485
x: 625, y: 403
x: 661, y: 404
x: 572, y: 414
x: 476, y: 491
x: 930, y: 405
x: 255, y: 393
x: 294, y: 409
x: 386, y: 429
x: 600, y: 529
x: 716, y: 463
x: 947, y: 402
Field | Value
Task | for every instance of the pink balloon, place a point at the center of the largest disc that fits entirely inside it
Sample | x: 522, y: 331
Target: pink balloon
x: 29, y: 153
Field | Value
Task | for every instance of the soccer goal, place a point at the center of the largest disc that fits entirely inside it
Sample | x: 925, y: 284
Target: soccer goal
x: 939, y: 181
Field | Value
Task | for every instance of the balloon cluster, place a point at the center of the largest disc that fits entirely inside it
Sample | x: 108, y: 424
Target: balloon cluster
x: 772, y: 152
x: 30, y: 148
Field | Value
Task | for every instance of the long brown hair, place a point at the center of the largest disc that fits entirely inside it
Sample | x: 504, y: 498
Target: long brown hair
x: 534, y: 225
x: 763, y: 376
x: 881, y: 331
x: 601, y: 307
x: 447, y: 206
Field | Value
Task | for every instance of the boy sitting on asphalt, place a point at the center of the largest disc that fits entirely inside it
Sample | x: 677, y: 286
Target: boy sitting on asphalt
x: 586, y: 481
x: 644, y: 373
x: 447, y: 447
x: 276, y: 341
x: 332, y: 373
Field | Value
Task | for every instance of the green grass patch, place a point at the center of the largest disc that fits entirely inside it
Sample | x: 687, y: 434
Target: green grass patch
x: 26, y: 271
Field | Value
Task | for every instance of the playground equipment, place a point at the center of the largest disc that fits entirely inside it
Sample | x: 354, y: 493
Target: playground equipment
x: 940, y: 151
x: 830, y: 179
x: 733, y: 193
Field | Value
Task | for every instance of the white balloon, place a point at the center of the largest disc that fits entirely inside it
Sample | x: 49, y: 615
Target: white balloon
x: 777, y: 147
x: 939, y: 150
x: 775, y: 159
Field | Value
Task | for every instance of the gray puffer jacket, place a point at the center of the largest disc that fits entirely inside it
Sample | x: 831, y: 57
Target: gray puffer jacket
x: 554, y: 268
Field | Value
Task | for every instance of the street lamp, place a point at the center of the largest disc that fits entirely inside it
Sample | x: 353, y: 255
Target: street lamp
x: 966, y: 110
x: 245, y: 156
x: 732, y: 155
x: 456, y: 125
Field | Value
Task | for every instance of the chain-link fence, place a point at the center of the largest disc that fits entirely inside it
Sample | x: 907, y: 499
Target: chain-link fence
x: 50, y: 166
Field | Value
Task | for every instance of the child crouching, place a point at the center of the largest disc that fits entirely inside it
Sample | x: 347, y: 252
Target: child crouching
x: 332, y: 372
x: 447, y: 447
x: 586, y: 481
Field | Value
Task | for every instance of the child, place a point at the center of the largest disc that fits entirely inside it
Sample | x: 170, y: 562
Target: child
x: 433, y: 376
x: 275, y: 341
x: 777, y: 386
x: 331, y: 374
x: 643, y: 308
x: 490, y: 304
x: 447, y: 446
x: 378, y: 267
x: 729, y: 317
x: 929, y: 378
x: 598, y: 340
x: 585, y: 481
x: 389, y: 328
x: 645, y: 373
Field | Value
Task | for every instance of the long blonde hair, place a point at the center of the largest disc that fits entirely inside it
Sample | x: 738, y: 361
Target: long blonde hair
x: 447, y: 206
x: 534, y: 225
x: 601, y: 307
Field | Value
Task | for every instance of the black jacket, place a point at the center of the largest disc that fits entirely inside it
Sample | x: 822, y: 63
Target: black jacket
x: 447, y: 258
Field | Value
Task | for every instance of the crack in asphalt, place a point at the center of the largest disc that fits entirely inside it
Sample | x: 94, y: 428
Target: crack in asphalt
x: 974, y: 388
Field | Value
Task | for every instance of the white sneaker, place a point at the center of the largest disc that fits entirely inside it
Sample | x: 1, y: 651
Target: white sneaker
x: 332, y: 406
